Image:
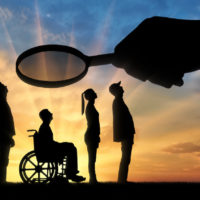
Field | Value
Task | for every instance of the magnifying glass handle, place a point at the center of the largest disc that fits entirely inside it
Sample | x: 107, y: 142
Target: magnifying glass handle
x: 101, y: 59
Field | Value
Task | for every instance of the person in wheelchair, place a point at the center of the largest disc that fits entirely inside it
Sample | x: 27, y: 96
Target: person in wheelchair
x: 58, y: 150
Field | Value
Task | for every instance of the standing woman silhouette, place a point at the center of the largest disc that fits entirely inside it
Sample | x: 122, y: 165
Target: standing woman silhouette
x: 92, y: 138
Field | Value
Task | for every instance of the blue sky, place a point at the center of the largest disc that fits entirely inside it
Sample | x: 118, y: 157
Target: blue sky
x: 86, y: 18
x: 165, y: 119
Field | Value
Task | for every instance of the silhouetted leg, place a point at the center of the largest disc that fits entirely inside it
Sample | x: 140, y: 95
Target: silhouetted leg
x: 4, y: 160
x: 71, y: 152
x: 92, y: 150
x: 125, y: 160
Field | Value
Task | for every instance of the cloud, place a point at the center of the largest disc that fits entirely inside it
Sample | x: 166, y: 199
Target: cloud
x: 50, y: 37
x: 5, y: 14
x: 162, y: 116
x: 173, y: 116
x: 187, y: 147
x: 193, y: 81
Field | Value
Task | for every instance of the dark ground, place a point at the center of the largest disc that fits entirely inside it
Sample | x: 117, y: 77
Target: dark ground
x: 101, y: 190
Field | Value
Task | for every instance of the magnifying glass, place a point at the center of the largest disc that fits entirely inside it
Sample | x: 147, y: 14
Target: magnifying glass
x: 54, y: 66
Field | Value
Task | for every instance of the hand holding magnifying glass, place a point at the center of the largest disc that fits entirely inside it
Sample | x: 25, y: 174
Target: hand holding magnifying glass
x: 160, y: 50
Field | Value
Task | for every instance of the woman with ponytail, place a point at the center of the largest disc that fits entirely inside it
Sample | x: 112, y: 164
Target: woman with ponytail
x: 92, y: 138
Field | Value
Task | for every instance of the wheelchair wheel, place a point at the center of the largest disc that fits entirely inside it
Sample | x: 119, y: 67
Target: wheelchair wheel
x: 32, y: 171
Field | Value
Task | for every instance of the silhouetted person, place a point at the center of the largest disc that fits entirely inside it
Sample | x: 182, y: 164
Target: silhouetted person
x: 123, y: 129
x: 59, y: 149
x: 7, y: 131
x: 160, y: 50
x: 92, y: 138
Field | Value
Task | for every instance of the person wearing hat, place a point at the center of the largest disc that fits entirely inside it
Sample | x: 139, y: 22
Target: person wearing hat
x: 123, y: 129
x: 92, y: 138
x: 7, y: 131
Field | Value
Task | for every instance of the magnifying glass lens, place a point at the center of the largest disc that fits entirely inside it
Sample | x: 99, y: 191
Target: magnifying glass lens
x: 52, y: 66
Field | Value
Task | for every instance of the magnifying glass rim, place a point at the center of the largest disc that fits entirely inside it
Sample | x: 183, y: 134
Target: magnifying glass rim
x: 51, y: 47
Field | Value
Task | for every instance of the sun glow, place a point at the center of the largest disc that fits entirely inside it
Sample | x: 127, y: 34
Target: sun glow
x: 162, y: 118
x: 65, y: 105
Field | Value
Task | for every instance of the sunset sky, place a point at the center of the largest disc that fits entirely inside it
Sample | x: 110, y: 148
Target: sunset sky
x: 167, y: 121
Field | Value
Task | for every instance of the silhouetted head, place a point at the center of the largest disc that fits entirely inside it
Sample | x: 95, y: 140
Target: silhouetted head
x: 90, y: 95
x: 46, y: 116
x: 3, y: 91
x: 116, y: 90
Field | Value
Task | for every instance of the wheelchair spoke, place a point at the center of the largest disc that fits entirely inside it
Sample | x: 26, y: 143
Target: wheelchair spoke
x: 42, y: 164
x: 32, y: 171
x: 39, y: 177
x: 27, y: 169
x: 49, y: 168
x: 31, y: 176
x: 32, y: 163
x: 44, y: 174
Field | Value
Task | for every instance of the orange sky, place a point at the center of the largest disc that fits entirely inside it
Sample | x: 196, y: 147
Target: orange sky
x: 167, y: 140
x: 167, y: 125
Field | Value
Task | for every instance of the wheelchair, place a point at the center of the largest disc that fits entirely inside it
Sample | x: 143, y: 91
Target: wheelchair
x: 38, y: 166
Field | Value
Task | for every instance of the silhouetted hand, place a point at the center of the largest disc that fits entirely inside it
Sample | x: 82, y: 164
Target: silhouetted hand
x: 160, y: 50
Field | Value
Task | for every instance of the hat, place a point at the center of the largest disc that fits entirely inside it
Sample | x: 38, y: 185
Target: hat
x: 114, y: 87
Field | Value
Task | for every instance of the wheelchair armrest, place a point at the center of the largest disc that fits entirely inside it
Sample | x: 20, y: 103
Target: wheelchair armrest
x: 30, y: 130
